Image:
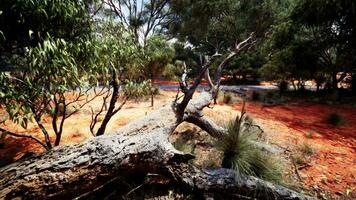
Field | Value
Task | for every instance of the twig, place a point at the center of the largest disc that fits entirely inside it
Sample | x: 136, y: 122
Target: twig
x: 296, y: 171
x: 25, y: 136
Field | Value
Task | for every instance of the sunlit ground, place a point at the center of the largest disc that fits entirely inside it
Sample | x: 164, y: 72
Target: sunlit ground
x: 331, y: 167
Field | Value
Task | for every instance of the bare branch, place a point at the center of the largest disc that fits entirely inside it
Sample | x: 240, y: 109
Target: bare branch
x: 208, y: 79
x: 25, y: 136
x: 206, y: 124
x: 183, y: 82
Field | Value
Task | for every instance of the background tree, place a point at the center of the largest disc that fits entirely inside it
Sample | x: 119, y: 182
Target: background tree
x: 215, y: 27
x: 143, y: 18
x: 120, y: 60
x: 315, y: 41
x: 158, y: 54
x: 46, y: 51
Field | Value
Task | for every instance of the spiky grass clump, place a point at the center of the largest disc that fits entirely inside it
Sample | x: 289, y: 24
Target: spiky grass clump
x: 242, y: 155
x: 228, y: 98
x: 306, y: 149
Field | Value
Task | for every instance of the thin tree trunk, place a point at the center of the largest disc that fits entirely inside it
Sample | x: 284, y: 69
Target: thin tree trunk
x: 152, y: 95
x: 113, y: 100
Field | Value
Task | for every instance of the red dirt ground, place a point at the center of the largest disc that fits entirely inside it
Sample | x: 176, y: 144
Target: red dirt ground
x: 332, y: 167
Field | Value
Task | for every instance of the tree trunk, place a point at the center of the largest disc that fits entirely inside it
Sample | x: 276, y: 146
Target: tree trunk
x: 334, y: 81
x: 141, y: 147
x: 110, y: 112
x: 152, y: 95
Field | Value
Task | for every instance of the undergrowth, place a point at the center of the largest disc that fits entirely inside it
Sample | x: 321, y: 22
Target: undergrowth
x: 181, y: 145
x: 335, y: 119
x: 242, y: 155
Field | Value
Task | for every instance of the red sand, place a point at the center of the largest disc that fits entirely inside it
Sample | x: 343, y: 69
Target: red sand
x: 335, y: 146
x: 333, y: 165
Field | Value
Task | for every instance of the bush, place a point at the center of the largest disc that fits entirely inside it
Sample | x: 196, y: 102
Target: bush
x: 229, y: 98
x: 256, y: 96
x: 155, y: 90
x: 137, y: 90
x: 306, y: 149
x: 309, y: 134
x: 283, y: 86
x: 335, y: 119
x: 242, y: 155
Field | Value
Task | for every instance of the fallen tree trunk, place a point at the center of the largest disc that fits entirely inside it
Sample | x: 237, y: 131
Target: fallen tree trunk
x: 141, y: 147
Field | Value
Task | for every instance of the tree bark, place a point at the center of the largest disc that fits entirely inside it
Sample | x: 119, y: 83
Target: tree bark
x: 141, y: 147
x: 111, y: 110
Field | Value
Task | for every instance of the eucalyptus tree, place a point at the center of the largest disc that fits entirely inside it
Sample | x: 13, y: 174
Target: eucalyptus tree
x: 141, y: 17
x: 120, y: 62
x: 145, y: 20
x: 158, y: 54
x: 333, y: 24
x: 214, y: 28
x: 46, y: 48
x: 315, y: 40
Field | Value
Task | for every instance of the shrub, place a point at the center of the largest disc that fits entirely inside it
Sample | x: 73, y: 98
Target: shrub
x: 309, y: 134
x: 298, y: 159
x: 137, y: 90
x: 242, y: 155
x: 227, y: 98
x: 283, y: 86
x: 306, y: 149
x: 335, y: 119
x: 256, y: 96
x: 155, y: 90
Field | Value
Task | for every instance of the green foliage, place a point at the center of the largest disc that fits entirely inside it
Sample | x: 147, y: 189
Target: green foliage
x: 25, y: 23
x: 158, y: 53
x: 137, y: 91
x: 241, y: 154
x: 48, y: 69
x: 335, y: 119
x: 53, y: 42
x: 315, y: 40
x: 229, y: 98
x: 115, y: 49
